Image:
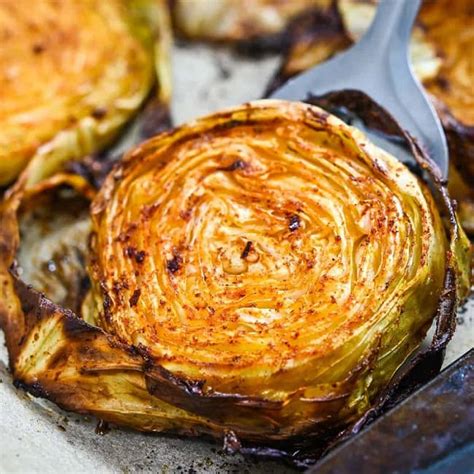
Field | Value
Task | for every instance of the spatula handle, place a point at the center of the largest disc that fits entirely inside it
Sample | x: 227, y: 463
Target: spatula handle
x: 393, y: 23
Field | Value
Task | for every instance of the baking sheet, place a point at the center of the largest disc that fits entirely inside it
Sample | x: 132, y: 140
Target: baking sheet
x: 37, y: 437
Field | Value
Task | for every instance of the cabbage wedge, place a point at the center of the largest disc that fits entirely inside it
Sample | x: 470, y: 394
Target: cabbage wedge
x: 259, y: 275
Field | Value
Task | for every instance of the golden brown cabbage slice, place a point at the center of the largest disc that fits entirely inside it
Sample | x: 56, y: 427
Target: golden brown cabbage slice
x: 259, y: 274
x: 72, y: 73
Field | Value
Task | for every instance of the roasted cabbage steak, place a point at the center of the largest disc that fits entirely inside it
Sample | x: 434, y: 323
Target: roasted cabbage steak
x: 72, y: 73
x: 257, y: 275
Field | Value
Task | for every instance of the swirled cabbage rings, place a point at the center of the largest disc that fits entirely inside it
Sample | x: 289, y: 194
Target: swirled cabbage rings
x: 72, y: 74
x: 259, y: 274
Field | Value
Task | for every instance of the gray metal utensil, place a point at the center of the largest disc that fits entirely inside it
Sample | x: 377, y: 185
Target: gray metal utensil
x: 378, y: 65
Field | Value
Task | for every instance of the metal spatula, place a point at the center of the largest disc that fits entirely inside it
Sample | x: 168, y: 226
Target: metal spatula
x: 378, y: 65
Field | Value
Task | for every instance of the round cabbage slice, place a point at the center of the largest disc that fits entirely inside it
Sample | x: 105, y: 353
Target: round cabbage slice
x: 71, y: 74
x: 260, y: 274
